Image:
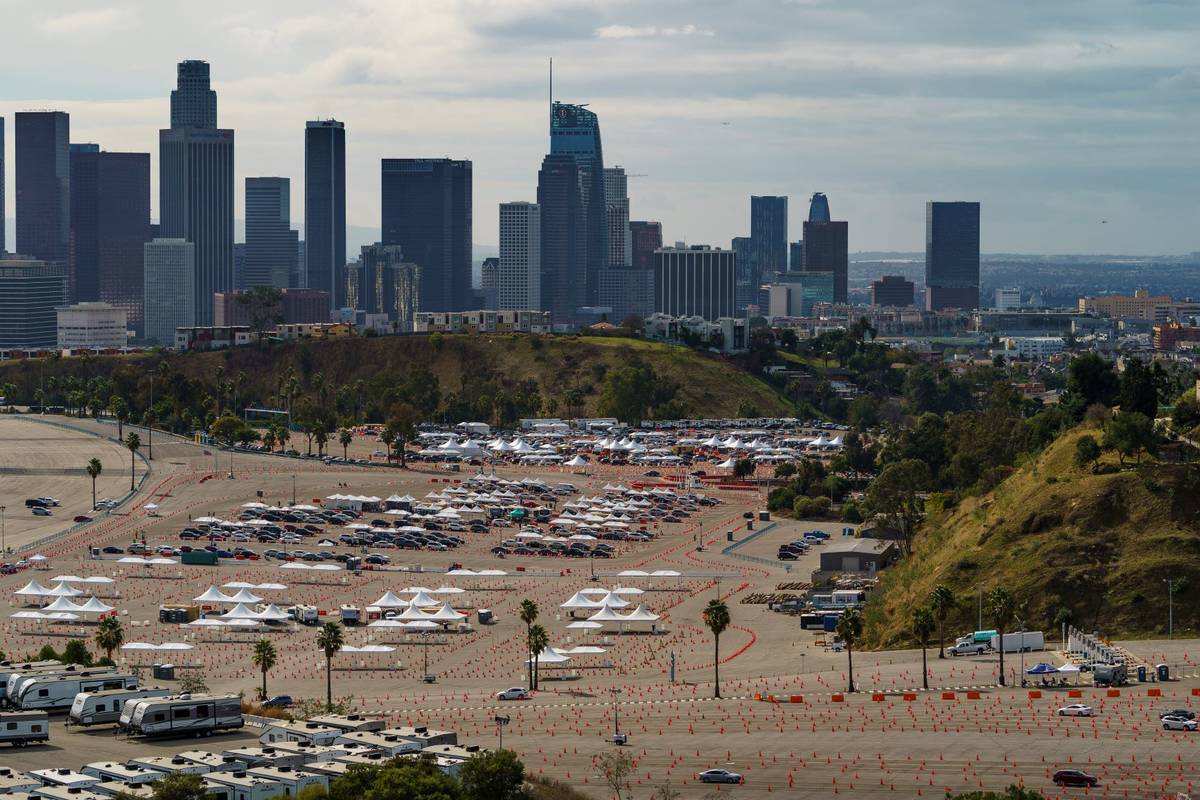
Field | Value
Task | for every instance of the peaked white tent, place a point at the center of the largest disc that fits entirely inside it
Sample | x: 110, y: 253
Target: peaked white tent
x: 94, y: 606
x: 32, y: 589
x: 63, y: 604
x: 446, y: 614
x: 390, y: 600
x: 642, y: 614
x: 550, y: 656
x: 579, y: 600
x: 64, y: 590
x: 422, y: 600
x: 213, y: 595
x: 240, y: 611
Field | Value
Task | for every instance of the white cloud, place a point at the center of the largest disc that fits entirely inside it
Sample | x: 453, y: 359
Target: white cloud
x: 649, y: 31
x: 88, y: 22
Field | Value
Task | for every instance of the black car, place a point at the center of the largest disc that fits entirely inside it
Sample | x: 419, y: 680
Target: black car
x: 1074, y: 777
x: 112, y: 550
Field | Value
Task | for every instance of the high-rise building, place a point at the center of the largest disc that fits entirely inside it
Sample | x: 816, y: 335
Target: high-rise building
x: 169, y: 289
x: 575, y: 131
x: 489, y: 283
x: 768, y: 246
x: 826, y: 249
x: 645, y: 239
x: 795, y: 294
x: 30, y: 291
x: 951, y: 255
x: 616, y: 195
x: 564, y: 243
x: 818, y: 208
x: 325, y: 208
x: 270, y: 240
x: 627, y: 292
x: 796, y: 256
x: 427, y: 211
x: 892, y: 290
x: 193, y: 102
x: 520, y: 269
x: 3, y: 211
x: 296, y: 306
x: 389, y: 285
x: 1008, y: 299
x: 110, y: 222
x: 300, y: 268
x: 44, y: 185
x: 695, y: 281
x: 196, y: 185
x: 91, y: 326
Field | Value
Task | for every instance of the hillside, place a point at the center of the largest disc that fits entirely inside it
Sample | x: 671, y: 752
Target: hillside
x: 549, y: 368
x: 1059, y: 536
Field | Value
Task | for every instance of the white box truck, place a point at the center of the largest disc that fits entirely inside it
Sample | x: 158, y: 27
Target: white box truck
x: 1016, y: 642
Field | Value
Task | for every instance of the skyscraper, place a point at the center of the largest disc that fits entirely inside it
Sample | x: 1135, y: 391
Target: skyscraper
x: 325, y: 207
x: 44, y: 185
x: 768, y: 246
x: 30, y: 291
x: 695, y: 281
x: 616, y: 195
x: 110, y: 223
x: 951, y: 255
x: 193, y: 103
x: 169, y: 288
x: 427, y: 211
x: 520, y: 273
x: 270, y: 240
x: 489, y: 283
x: 196, y: 185
x: 388, y: 284
x: 564, y: 242
x: 575, y: 131
x: 645, y: 239
x: 3, y: 216
x: 796, y: 256
x: 826, y: 249
x: 818, y: 208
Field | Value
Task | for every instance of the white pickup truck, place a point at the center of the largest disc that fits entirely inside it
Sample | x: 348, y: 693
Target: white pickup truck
x: 968, y: 649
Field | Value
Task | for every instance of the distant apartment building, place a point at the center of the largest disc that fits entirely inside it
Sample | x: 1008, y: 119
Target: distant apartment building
x: 212, y: 337
x: 1008, y: 300
x: 30, y: 292
x: 483, y: 321
x: 1033, y: 348
x: 796, y: 294
x: 1142, y: 305
x: 295, y: 305
x: 627, y: 292
x: 645, y: 240
x: 327, y: 330
x: 1170, y: 335
x: 892, y: 291
x: 519, y: 268
x: 92, y: 326
x: 695, y: 281
x: 168, y: 289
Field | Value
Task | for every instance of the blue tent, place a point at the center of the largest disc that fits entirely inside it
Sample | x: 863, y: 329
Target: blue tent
x: 1041, y: 669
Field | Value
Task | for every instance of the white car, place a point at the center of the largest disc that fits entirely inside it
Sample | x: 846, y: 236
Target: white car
x: 719, y: 776
x: 1076, y: 710
x: 515, y: 693
x: 1174, y: 723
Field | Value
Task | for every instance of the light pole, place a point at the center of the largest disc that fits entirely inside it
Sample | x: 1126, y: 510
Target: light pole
x: 150, y: 418
x: 3, y: 544
x: 616, y: 714
x: 1170, y: 608
x: 980, y: 623
x: 293, y: 489
x: 1020, y: 646
x: 500, y: 723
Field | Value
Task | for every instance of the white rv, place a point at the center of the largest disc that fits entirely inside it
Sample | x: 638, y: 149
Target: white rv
x: 96, y: 708
x: 9, y: 668
x: 17, y: 682
x: 20, y: 728
x: 182, y: 715
x: 57, y: 692
x: 125, y: 773
x: 61, y: 776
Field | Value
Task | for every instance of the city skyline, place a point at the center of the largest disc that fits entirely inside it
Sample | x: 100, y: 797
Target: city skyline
x: 1047, y: 126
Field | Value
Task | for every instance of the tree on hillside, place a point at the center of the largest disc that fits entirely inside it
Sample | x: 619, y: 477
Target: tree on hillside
x: 264, y: 306
x: 76, y: 652
x: 1087, y: 452
x: 849, y: 630
x: 330, y: 641
x: 264, y: 658
x: 923, y: 626
x: 896, y: 495
x: 529, y: 614
x: 94, y: 468
x: 1138, y: 391
x: 717, y: 620
x: 1091, y: 379
x: 1129, y: 433
x: 942, y: 602
x: 133, y: 443
x: 178, y: 786
x: 1002, y: 608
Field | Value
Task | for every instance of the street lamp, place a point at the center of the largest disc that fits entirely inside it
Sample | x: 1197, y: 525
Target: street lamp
x: 150, y: 418
x: 293, y: 488
x: 500, y: 723
x: 3, y: 545
x: 617, y: 738
x: 1020, y: 646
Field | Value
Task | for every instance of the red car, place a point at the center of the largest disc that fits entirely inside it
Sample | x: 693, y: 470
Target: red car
x: 82, y: 518
x: 1074, y: 777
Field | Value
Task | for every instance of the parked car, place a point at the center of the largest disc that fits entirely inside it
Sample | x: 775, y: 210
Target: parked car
x: 279, y: 701
x: 719, y: 776
x: 1076, y: 710
x: 39, y: 511
x: 82, y: 518
x: 1177, y: 712
x: 112, y: 550
x: 515, y: 693
x: 1074, y: 777
x: 1173, y: 723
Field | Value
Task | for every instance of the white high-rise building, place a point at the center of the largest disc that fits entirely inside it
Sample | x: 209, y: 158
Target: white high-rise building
x: 91, y: 326
x: 616, y: 195
x: 520, y: 284
x: 1008, y: 299
x: 169, y: 288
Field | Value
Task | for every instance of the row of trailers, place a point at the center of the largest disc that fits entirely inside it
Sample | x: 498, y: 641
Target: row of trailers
x: 104, y: 696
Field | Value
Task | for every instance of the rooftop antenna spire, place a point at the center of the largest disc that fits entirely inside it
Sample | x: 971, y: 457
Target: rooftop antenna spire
x: 552, y: 90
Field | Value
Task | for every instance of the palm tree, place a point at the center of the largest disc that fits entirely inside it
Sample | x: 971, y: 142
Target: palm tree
x: 265, y: 658
x: 268, y: 439
x: 923, y: 627
x: 849, y: 629
x: 94, y: 468
x: 528, y: 614
x: 716, y: 617
x: 1002, y: 607
x: 109, y: 636
x: 539, y: 640
x: 134, y: 443
x: 941, y: 602
x: 345, y: 437
x: 330, y: 640
x: 120, y: 411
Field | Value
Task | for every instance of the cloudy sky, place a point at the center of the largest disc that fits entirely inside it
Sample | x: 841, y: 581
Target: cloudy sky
x: 1055, y: 115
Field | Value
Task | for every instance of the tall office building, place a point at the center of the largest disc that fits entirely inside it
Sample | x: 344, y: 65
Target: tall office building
x: 768, y: 246
x: 564, y: 243
x: 30, y: 292
x: 44, y: 185
x: 951, y: 255
x: 169, y: 288
x: 325, y: 208
x: 575, y: 131
x: 300, y: 268
x: 796, y: 256
x: 892, y: 290
x: 645, y: 240
x: 616, y: 195
x: 818, y: 208
x: 427, y: 211
x: 3, y: 211
x: 695, y: 281
x: 193, y: 102
x: 489, y: 283
x: 110, y: 223
x: 388, y: 284
x: 270, y: 240
x: 520, y: 272
x: 826, y: 249
x: 196, y: 186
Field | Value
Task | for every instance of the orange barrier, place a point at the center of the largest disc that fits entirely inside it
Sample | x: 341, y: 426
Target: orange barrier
x: 1035, y: 694
x: 838, y: 698
x: 1114, y: 693
x: 1075, y: 693
x: 910, y: 696
x: 1196, y: 691
x: 796, y: 699
x: 972, y: 695
x: 947, y: 695
x: 878, y: 697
